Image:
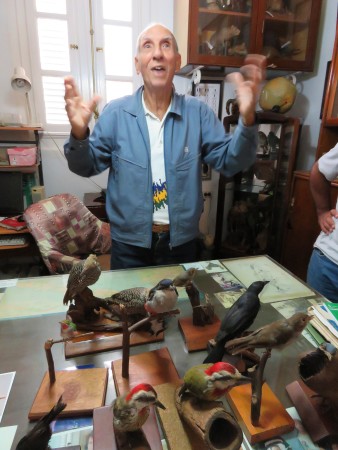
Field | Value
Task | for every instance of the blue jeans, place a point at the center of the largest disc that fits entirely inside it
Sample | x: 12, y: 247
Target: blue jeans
x: 125, y: 256
x: 322, y: 275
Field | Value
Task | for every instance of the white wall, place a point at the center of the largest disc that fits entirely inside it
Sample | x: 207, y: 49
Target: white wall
x: 57, y: 177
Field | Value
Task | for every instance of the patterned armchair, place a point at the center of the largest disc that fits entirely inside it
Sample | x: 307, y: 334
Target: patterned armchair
x: 66, y: 231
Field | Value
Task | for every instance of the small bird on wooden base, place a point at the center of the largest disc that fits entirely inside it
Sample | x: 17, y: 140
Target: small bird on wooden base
x: 162, y: 297
x: 131, y: 411
x: 132, y: 299
x: 237, y: 319
x: 277, y: 334
x: 39, y: 437
x: 211, y: 381
x: 185, y: 277
x: 83, y: 274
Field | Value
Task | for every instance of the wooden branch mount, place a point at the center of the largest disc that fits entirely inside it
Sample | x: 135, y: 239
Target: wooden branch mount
x: 215, y: 428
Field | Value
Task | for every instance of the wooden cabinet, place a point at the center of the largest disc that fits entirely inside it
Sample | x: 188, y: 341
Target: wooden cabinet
x: 328, y: 135
x: 302, y: 227
x: 256, y: 218
x: 222, y: 32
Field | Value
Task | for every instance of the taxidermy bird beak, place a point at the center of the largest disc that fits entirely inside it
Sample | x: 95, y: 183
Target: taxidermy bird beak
x: 159, y: 404
x: 242, y: 380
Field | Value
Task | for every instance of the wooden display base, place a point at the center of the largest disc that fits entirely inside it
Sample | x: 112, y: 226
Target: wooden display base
x: 104, y: 434
x: 318, y: 421
x: 105, y: 341
x: 82, y: 390
x: 274, y: 419
x: 176, y: 434
x: 180, y: 434
x: 197, y: 338
x: 155, y: 367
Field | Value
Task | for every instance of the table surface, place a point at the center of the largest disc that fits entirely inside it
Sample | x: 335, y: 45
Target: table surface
x: 22, y: 339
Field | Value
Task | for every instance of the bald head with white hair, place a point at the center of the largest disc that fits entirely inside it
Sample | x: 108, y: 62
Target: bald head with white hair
x: 152, y: 25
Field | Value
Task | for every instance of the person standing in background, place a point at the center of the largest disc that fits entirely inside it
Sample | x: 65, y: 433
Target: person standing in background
x: 154, y: 143
x: 322, y: 272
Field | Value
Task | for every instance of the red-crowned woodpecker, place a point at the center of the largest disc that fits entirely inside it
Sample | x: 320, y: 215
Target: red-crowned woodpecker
x: 211, y: 381
x: 131, y: 411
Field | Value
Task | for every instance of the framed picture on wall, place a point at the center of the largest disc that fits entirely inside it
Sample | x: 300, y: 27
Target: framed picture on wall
x: 211, y: 93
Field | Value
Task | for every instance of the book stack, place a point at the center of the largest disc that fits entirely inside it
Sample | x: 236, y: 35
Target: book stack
x: 325, y: 320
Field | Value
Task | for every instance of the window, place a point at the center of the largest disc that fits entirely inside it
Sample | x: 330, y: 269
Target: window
x: 93, y: 40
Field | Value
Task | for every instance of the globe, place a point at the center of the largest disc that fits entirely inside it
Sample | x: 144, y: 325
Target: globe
x: 278, y: 95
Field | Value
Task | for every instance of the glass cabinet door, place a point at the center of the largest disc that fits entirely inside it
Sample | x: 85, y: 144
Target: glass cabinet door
x: 331, y: 114
x: 225, y: 32
x: 288, y: 38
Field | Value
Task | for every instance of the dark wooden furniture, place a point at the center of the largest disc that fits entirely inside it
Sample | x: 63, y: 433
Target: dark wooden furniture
x: 256, y: 218
x: 96, y: 204
x: 302, y: 226
x: 209, y: 35
x: 328, y: 135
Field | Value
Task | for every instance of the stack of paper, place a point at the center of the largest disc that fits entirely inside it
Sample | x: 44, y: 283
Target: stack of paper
x: 325, y: 321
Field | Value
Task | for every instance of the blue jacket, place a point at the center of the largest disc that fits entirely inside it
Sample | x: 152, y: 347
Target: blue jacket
x: 120, y: 142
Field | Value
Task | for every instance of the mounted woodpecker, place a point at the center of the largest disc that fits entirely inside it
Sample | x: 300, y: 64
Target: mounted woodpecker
x: 131, y: 411
x: 211, y: 381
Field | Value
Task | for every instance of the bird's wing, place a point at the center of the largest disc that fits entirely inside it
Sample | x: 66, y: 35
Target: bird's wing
x: 129, y: 295
x: 238, y: 318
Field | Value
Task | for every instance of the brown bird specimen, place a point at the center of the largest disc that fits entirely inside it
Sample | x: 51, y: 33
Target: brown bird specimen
x: 277, y: 334
x: 83, y: 274
x: 185, y: 277
x: 38, y: 438
x: 319, y: 371
x: 132, y: 299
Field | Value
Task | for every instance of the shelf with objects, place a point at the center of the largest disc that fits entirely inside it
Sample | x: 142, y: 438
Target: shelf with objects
x: 20, y: 167
x: 257, y: 198
x: 221, y: 33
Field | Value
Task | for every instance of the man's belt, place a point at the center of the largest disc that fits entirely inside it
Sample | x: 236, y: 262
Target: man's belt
x: 160, y: 228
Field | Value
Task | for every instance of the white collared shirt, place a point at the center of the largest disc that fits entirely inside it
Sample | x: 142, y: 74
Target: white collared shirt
x: 160, y: 195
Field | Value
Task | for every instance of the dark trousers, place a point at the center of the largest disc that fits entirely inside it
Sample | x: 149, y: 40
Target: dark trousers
x: 125, y: 256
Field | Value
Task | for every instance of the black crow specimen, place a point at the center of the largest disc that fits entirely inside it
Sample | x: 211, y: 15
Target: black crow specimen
x: 237, y: 319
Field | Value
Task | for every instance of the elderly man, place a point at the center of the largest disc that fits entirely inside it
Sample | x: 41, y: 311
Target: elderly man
x: 154, y: 143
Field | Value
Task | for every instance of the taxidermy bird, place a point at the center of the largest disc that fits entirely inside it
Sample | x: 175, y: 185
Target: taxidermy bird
x: 319, y: 371
x: 211, y: 381
x: 237, y: 319
x: 162, y: 297
x: 131, y: 411
x: 277, y: 334
x: 82, y: 274
x: 38, y: 438
x: 132, y: 299
x: 185, y: 277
